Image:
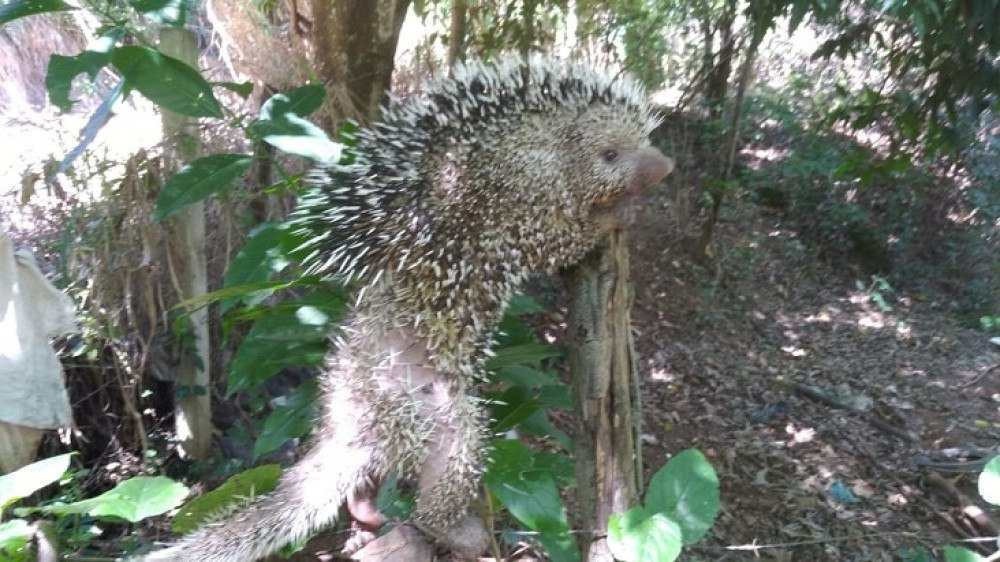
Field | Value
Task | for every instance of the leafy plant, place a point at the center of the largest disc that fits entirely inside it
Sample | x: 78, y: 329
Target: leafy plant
x: 133, y: 500
x: 680, y: 507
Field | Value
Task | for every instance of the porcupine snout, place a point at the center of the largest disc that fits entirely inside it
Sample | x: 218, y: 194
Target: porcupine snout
x: 650, y: 168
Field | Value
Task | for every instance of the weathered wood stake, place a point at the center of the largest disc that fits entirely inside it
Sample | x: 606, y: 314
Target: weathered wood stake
x: 604, y: 368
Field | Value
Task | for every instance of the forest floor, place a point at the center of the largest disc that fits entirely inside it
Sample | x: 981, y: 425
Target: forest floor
x: 823, y: 403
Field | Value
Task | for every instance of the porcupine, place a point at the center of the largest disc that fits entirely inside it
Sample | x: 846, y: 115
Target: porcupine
x: 452, y: 199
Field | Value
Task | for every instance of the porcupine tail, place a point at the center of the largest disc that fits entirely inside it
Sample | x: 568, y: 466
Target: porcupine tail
x: 308, y: 498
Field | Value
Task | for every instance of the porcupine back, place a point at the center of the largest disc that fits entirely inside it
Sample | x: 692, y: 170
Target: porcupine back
x: 370, y: 213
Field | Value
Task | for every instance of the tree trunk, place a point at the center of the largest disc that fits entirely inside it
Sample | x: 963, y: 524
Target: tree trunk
x: 718, y: 78
x: 193, y: 406
x: 606, y: 384
x: 708, y: 227
x: 527, y: 38
x: 456, y: 33
x: 354, y: 45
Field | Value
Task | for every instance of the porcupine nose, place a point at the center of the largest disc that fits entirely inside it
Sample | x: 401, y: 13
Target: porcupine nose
x: 651, y: 167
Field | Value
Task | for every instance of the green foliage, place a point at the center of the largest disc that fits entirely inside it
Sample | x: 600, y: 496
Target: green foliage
x: 132, y: 500
x: 63, y: 69
x: 237, y: 490
x: 166, y: 81
x: 15, y: 536
x: 288, y: 334
x: 687, y: 490
x: 29, y: 479
x: 14, y: 9
x: 638, y: 536
x: 681, y: 505
x: 164, y: 12
x: 959, y: 554
x: 292, y: 419
x: 282, y: 124
x: 989, y: 481
x: 198, y: 180
x: 529, y: 493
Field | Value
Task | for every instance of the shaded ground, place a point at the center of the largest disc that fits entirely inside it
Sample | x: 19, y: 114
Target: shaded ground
x: 747, y: 362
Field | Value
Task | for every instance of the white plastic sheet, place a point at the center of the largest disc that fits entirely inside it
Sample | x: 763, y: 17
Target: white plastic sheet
x: 32, y: 390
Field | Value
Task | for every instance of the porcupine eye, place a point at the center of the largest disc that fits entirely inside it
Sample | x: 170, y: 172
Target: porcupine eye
x: 609, y: 155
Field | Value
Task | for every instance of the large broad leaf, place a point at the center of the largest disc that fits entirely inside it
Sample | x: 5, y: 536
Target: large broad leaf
x: 959, y: 554
x: 687, y: 491
x: 166, y: 81
x: 291, y: 420
x: 133, y: 500
x: 637, y: 536
x: 199, y: 179
x: 29, y: 479
x: 14, y: 538
x: 236, y: 490
x: 528, y: 491
x: 989, y: 481
x: 14, y: 9
x: 292, y: 334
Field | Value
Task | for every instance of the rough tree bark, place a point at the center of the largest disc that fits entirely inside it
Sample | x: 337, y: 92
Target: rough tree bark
x: 456, y: 33
x: 604, y: 368
x: 354, y: 44
x: 193, y: 407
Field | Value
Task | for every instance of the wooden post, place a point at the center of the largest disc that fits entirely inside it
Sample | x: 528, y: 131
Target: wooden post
x: 193, y: 406
x: 606, y: 386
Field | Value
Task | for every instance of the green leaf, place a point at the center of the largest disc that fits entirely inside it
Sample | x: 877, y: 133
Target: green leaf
x: 199, y: 179
x: 62, y: 70
x: 295, y: 135
x: 292, y: 334
x: 529, y: 493
x: 267, y: 252
x: 522, y: 354
x: 236, y: 490
x: 164, y: 12
x: 959, y: 554
x: 283, y: 126
x: 300, y: 101
x: 289, y: 421
x: 687, y: 491
x: 989, y: 481
x: 512, y: 407
x: 166, y: 81
x: 15, y: 9
x: 392, y: 502
x: 242, y: 89
x: 132, y: 500
x: 14, y: 537
x: 29, y: 479
x: 636, y: 536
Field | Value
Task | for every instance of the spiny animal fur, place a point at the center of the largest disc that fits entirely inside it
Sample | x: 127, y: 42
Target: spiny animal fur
x: 451, y: 199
